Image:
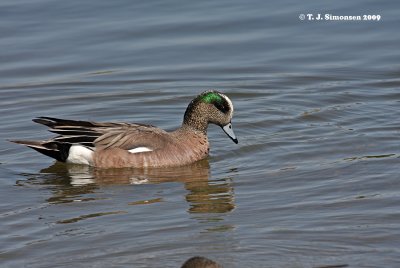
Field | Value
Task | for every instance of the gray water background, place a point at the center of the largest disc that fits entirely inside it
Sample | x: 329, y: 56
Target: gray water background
x: 313, y: 181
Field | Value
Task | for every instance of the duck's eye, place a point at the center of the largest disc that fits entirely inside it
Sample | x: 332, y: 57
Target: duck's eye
x: 222, y: 106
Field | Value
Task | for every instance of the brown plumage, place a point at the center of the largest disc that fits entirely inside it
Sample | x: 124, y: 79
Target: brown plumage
x: 114, y: 145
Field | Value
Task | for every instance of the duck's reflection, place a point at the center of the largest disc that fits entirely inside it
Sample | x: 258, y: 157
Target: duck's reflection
x: 204, y: 195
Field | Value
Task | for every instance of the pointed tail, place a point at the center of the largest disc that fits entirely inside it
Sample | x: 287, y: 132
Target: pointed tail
x: 54, y: 149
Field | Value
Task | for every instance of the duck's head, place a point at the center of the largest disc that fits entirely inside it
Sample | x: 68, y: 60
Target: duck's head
x: 213, y: 107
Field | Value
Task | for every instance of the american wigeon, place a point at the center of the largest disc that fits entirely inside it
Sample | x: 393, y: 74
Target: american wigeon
x: 114, y: 145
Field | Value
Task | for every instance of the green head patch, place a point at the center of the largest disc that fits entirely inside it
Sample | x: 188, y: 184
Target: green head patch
x: 211, y: 97
x: 215, y: 98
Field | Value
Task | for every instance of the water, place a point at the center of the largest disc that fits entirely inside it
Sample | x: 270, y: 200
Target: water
x: 312, y: 182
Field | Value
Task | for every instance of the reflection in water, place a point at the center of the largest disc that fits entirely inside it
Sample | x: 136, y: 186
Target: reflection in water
x: 88, y: 216
x: 71, y: 182
x: 208, y: 196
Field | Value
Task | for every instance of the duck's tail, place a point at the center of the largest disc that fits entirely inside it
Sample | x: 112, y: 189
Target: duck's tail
x: 54, y: 149
x: 78, y: 135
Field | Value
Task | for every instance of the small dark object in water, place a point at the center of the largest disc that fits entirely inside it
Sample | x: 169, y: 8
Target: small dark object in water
x: 200, y: 262
x: 333, y: 266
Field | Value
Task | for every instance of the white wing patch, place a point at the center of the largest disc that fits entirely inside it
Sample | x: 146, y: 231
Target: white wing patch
x: 79, y: 154
x: 140, y: 150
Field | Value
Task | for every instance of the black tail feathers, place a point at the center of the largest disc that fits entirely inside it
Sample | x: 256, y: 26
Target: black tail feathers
x: 54, y: 149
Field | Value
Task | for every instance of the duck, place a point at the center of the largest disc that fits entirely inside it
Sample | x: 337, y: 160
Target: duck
x: 136, y: 145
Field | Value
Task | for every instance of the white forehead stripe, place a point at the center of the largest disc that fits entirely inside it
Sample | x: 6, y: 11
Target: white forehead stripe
x: 229, y: 103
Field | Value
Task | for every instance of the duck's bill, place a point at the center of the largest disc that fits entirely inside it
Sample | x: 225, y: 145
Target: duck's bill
x: 229, y: 131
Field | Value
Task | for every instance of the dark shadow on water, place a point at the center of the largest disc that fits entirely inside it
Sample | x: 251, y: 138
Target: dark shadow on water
x: 76, y: 182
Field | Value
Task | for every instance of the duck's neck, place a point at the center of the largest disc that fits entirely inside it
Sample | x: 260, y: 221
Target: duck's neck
x: 193, y: 120
x: 195, y: 125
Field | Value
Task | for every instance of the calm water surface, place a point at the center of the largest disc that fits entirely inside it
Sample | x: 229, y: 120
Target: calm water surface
x: 314, y: 180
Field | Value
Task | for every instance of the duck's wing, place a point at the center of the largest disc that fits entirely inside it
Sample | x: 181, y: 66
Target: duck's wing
x: 133, y: 137
x: 105, y: 135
